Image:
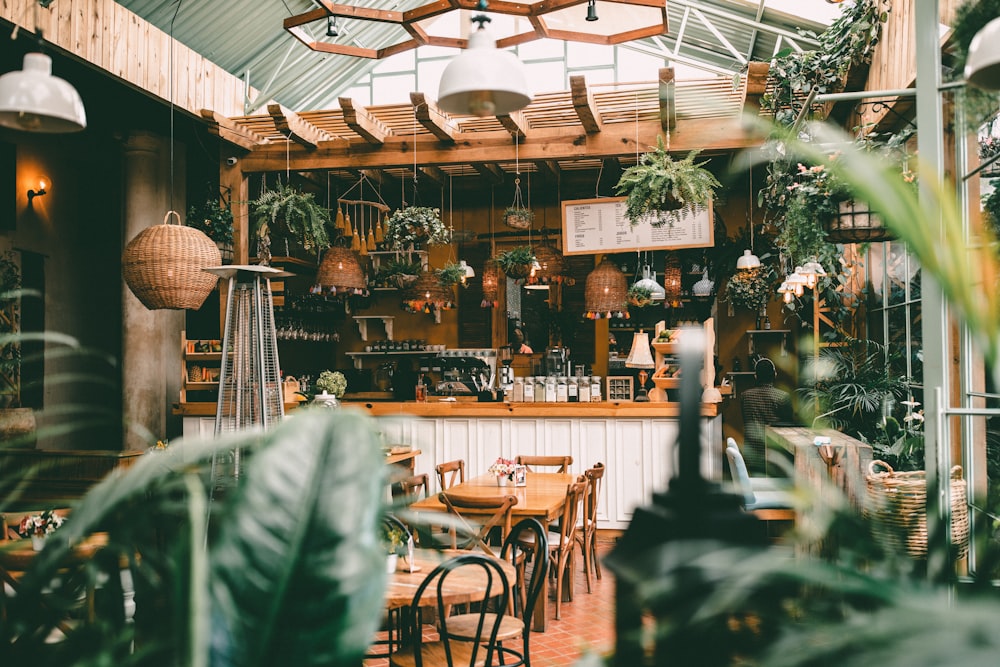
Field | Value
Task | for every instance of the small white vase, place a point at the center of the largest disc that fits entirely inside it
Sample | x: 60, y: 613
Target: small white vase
x: 502, y: 480
x: 37, y: 542
x: 390, y: 563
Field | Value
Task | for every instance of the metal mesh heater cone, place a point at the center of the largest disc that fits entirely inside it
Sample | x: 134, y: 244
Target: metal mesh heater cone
x: 491, y: 284
x: 340, y: 271
x: 605, y: 292
x: 250, y: 392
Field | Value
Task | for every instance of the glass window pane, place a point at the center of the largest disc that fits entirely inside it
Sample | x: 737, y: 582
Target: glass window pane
x: 429, y: 76
x: 541, y: 48
x: 631, y: 62
x: 579, y: 54
x: 546, y: 77
x: 396, y: 63
x: 390, y: 89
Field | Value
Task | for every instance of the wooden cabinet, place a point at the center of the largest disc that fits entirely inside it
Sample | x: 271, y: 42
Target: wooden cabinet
x: 201, y: 368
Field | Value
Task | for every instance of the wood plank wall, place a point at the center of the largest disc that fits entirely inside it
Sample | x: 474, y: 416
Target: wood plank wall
x: 894, y: 64
x: 107, y: 35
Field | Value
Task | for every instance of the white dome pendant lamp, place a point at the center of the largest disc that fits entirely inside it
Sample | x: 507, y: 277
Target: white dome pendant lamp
x: 32, y: 100
x: 483, y: 80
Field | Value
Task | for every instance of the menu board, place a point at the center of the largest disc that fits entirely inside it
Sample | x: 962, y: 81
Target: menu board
x: 593, y: 226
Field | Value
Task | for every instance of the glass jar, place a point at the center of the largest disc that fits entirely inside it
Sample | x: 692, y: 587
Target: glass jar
x: 528, y: 389
x: 550, y: 389
x: 518, y: 393
x: 595, y: 389
x: 539, y: 388
x: 583, y: 389
x: 562, y: 390
x: 572, y: 390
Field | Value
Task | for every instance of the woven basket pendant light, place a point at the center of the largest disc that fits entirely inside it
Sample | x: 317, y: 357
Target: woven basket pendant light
x: 163, y: 266
x: 491, y: 284
x: 605, y: 292
x: 340, y: 272
x: 551, y: 266
x: 672, y: 281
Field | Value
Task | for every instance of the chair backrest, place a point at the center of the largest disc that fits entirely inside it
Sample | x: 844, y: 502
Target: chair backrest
x: 738, y: 469
x: 448, y: 471
x: 487, y: 512
x: 575, y: 493
x: 595, y: 479
x: 537, y: 547
x: 561, y: 463
x: 496, y: 587
x: 410, y: 489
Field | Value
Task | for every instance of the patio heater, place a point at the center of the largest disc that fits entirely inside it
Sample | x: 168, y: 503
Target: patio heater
x: 250, y: 392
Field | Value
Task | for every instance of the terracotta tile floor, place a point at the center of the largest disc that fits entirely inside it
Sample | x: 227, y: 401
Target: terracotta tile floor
x: 587, y: 623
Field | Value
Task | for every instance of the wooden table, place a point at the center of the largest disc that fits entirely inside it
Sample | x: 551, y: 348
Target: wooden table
x: 464, y: 585
x: 543, y: 498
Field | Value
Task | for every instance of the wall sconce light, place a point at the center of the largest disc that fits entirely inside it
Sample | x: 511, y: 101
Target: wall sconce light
x: 37, y: 193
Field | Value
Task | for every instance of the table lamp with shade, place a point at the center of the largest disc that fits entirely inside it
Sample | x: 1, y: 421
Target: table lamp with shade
x: 640, y: 357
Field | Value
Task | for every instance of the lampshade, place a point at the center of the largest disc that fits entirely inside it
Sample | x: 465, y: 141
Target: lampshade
x: 427, y: 295
x: 469, y: 271
x: 340, y: 272
x: 605, y: 292
x: 33, y: 100
x: 639, y: 356
x: 483, y: 80
x: 812, y: 271
x: 491, y: 284
x: 796, y: 281
x: 648, y: 281
x: 748, y: 260
x: 672, y: 281
x: 982, y: 66
x: 551, y: 268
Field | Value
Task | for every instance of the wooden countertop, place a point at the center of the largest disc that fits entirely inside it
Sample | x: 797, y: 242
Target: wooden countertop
x: 434, y: 408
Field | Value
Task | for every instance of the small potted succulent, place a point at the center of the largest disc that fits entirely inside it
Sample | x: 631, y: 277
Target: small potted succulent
x: 395, y: 541
x: 415, y: 227
x: 516, y: 263
x: 661, y: 190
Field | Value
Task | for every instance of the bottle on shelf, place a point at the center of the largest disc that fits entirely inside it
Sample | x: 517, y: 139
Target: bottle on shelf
x: 420, y: 391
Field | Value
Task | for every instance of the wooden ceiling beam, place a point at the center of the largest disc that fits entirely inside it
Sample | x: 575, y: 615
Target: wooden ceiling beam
x: 362, y: 123
x: 289, y: 123
x: 226, y: 129
x: 668, y: 92
x: 432, y: 118
x: 583, y: 104
x: 548, y: 167
x: 490, y: 171
x: 515, y: 123
x: 756, y: 84
x: 436, y: 174
x: 712, y: 135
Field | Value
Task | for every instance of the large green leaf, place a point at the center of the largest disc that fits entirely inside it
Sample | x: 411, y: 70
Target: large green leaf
x: 297, y: 578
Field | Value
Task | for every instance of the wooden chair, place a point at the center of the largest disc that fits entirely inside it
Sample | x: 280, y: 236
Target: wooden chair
x: 447, y: 473
x: 561, y: 463
x: 587, y: 530
x: 463, y: 626
x: 474, y: 520
x: 448, y: 651
x: 410, y: 489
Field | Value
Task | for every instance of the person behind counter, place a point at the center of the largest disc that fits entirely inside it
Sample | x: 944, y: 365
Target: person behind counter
x: 520, y: 344
x: 762, y: 406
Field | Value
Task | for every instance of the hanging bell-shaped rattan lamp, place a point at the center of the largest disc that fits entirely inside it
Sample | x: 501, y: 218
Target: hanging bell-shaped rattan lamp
x: 164, y: 266
x: 427, y: 295
x: 340, y: 272
x: 672, y: 281
x: 491, y: 284
x: 551, y: 268
x: 605, y: 292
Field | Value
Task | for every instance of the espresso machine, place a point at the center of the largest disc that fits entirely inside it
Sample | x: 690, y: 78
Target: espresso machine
x: 557, y: 361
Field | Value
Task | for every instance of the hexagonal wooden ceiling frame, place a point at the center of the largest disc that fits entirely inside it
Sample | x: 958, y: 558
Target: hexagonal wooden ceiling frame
x: 409, y: 20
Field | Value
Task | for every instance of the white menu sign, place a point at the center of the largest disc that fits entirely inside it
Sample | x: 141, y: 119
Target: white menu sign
x: 592, y: 226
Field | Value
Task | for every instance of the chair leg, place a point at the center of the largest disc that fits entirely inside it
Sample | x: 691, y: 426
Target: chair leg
x: 560, y: 572
x: 582, y: 542
x: 593, y: 555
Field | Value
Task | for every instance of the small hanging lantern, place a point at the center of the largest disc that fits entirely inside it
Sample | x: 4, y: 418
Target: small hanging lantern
x: 672, y: 281
x: 606, y: 292
x: 491, y: 284
x: 428, y: 296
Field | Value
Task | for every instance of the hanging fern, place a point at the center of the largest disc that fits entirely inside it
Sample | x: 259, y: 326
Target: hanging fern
x: 293, y: 213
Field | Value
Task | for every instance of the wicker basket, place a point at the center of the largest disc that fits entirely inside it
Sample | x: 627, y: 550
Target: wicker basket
x: 606, y: 291
x: 163, y: 266
x: 897, y: 507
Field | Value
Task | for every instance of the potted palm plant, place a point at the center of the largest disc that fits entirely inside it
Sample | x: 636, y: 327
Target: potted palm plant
x: 293, y: 214
x: 660, y: 190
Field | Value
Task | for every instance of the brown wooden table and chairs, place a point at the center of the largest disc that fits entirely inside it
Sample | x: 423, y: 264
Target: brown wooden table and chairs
x: 450, y: 473
x: 535, y: 463
x: 543, y: 499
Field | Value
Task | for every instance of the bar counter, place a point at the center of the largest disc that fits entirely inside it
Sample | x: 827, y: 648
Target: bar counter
x: 634, y: 440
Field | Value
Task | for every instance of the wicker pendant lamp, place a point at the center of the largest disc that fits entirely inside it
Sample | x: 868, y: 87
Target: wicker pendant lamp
x: 605, y: 292
x: 340, y: 272
x: 672, y: 281
x: 491, y: 284
x: 428, y: 296
x: 164, y: 266
x: 551, y: 268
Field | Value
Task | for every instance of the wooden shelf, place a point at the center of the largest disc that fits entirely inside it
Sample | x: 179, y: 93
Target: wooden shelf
x: 203, y: 356
x: 666, y: 348
x: 754, y: 332
x: 201, y: 386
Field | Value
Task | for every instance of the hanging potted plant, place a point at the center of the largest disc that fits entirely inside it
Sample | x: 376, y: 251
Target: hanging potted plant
x: 415, y: 227
x: 639, y: 296
x: 214, y: 217
x: 293, y: 214
x: 518, y: 217
x: 397, y: 273
x: 661, y: 190
x: 751, y: 288
x: 516, y: 262
x: 451, y: 274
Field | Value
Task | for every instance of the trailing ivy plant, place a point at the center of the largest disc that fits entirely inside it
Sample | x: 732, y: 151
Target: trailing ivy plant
x: 450, y: 274
x: 295, y: 214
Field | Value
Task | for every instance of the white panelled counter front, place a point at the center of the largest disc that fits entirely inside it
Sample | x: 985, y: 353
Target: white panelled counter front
x: 636, y: 441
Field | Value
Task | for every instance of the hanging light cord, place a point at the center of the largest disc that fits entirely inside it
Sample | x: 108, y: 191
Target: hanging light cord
x: 171, y: 95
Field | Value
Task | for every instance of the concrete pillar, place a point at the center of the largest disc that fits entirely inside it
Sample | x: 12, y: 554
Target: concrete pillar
x: 150, y: 339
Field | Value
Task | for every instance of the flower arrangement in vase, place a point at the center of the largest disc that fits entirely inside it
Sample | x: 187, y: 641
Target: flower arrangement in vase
x: 416, y: 226
x: 333, y: 384
x: 37, y: 527
x: 504, y: 470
